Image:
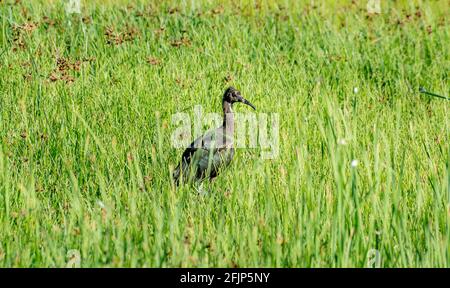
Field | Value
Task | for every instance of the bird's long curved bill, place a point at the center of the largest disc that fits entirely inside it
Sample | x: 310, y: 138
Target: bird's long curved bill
x: 245, y: 101
x: 422, y: 90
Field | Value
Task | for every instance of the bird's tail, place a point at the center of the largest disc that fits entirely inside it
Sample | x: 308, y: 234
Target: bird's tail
x: 176, y: 175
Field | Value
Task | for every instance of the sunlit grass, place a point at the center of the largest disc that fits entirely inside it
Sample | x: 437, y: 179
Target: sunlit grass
x: 85, y: 125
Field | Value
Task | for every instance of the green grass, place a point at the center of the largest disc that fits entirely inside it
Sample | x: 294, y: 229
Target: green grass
x: 86, y: 156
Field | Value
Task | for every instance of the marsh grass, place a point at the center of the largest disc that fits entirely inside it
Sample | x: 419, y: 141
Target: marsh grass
x: 85, y: 125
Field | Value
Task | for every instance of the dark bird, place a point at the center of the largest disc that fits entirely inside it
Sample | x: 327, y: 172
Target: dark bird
x: 208, y: 154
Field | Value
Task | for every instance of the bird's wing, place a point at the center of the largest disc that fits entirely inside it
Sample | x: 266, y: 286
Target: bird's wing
x: 205, y: 142
x: 201, y: 147
x: 186, y: 158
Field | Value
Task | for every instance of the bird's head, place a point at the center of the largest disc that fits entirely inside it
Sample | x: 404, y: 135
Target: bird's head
x: 232, y: 95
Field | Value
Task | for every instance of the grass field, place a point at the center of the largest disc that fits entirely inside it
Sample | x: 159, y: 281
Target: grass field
x: 363, y: 172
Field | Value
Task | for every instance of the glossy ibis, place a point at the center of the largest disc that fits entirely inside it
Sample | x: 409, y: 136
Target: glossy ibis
x: 208, y: 154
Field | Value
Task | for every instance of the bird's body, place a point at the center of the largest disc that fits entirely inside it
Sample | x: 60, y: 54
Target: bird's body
x: 208, y: 154
x: 205, y: 157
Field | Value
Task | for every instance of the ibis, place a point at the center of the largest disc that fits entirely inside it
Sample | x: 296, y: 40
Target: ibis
x: 209, y: 154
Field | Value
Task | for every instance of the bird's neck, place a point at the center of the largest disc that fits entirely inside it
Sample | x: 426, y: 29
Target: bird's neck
x: 228, y: 116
